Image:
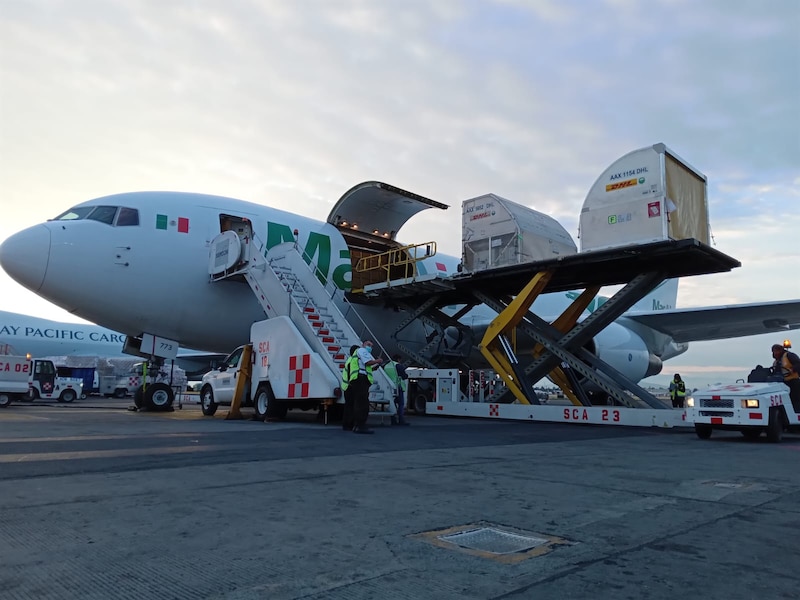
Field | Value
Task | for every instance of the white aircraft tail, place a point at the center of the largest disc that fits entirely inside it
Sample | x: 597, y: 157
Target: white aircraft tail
x: 664, y: 297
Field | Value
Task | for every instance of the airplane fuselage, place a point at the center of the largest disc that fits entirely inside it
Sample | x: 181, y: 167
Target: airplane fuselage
x: 139, y: 263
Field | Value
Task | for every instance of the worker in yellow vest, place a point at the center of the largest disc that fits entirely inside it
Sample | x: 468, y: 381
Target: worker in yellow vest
x: 396, y: 371
x: 349, y: 375
x: 361, y: 387
x: 787, y: 365
x: 677, y: 391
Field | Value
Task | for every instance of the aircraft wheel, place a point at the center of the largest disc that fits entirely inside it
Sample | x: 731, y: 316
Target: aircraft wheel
x: 120, y: 393
x: 159, y: 396
x: 5, y: 399
x: 67, y: 396
x: 207, y: 404
x: 751, y: 434
x: 775, y: 425
x: 702, y: 430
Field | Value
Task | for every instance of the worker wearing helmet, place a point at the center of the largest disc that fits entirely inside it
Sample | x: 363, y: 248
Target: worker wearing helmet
x: 677, y: 391
x: 787, y: 365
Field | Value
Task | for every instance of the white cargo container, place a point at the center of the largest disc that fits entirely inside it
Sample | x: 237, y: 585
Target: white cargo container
x: 648, y: 195
x: 496, y: 232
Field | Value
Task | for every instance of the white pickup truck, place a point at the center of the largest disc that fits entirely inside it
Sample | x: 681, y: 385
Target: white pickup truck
x: 751, y: 408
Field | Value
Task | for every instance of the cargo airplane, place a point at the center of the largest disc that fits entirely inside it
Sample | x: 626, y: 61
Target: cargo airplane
x: 24, y: 334
x: 138, y: 263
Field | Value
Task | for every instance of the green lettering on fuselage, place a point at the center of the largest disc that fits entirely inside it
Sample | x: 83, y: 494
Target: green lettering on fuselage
x: 317, y: 250
x: 344, y: 270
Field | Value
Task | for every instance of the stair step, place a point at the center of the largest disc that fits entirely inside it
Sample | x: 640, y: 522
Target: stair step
x: 308, y: 309
x: 339, y: 357
x: 328, y: 340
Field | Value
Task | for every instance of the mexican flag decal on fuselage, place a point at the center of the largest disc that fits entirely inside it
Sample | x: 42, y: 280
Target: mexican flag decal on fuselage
x: 163, y: 222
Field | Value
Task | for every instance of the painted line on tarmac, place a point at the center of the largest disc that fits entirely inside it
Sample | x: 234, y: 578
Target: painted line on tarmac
x: 83, y: 438
x: 83, y: 454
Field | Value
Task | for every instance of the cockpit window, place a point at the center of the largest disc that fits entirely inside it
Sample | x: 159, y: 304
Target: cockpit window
x: 127, y: 217
x: 104, y: 214
x: 74, y: 214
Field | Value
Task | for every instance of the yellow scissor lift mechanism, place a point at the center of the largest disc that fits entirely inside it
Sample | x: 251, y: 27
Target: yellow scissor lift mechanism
x: 499, y: 350
x: 561, y: 342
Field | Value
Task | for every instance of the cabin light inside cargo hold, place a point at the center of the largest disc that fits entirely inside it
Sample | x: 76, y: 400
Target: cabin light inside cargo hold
x: 749, y: 402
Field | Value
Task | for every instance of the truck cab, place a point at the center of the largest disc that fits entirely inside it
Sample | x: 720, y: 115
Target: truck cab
x: 219, y: 384
x: 752, y: 408
x: 44, y: 382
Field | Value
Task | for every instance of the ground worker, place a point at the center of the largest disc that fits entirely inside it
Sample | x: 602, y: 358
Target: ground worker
x: 677, y: 391
x: 396, y: 371
x: 787, y: 365
x: 349, y: 375
x: 362, y: 384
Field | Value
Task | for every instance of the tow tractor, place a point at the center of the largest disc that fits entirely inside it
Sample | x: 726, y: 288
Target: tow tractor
x: 752, y: 408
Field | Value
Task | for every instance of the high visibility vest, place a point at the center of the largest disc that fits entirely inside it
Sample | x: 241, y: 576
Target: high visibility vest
x: 350, y: 371
x: 679, y: 391
x: 787, y: 370
x: 391, y: 370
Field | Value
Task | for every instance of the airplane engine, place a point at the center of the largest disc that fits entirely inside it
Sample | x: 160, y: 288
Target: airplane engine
x: 625, y: 351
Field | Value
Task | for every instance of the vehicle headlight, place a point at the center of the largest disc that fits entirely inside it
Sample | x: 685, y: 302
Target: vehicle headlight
x: 689, y: 402
x: 749, y: 402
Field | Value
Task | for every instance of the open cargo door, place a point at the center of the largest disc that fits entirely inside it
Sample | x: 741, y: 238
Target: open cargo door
x: 368, y: 216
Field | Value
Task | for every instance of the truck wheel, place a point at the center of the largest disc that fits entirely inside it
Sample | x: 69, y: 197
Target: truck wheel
x: 120, y: 393
x: 775, y: 425
x: 264, y: 402
x: 703, y: 430
x: 751, y: 434
x: 5, y: 399
x: 67, y: 396
x: 32, y: 395
x: 159, y: 396
x: 419, y: 403
x: 207, y: 404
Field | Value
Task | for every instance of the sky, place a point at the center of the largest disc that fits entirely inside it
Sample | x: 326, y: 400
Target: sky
x: 291, y: 103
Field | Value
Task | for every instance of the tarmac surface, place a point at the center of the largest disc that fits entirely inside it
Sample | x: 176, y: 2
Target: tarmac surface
x: 100, y: 502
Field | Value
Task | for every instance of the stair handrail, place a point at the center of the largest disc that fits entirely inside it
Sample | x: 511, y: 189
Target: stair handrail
x: 332, y: 290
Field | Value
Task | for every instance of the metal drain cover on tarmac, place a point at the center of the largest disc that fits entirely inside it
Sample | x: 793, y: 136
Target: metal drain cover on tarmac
x: 489, y: 539
x: 485, y: 540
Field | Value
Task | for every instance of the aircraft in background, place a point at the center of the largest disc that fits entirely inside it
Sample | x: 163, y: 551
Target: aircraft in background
x: 138, y: 263
x: 24, y: 334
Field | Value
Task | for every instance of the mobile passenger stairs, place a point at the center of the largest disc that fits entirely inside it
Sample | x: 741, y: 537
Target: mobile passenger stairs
x: 288, y: 285
x: 645, y: 220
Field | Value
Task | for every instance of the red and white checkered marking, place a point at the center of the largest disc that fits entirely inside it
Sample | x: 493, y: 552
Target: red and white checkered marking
x: 494, y: 410
x: 299, y: 366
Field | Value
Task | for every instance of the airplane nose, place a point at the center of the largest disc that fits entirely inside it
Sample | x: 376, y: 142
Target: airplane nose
x: 24, y: 256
